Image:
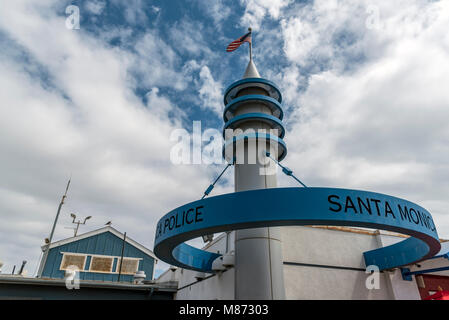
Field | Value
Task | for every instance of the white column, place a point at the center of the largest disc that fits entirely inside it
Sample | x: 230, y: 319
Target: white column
x: 258, y: 252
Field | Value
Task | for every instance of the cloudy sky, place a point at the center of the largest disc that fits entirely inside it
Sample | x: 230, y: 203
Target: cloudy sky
x: 366, y: 100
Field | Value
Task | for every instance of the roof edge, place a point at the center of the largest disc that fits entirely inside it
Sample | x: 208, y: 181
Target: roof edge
x: 100, y: 231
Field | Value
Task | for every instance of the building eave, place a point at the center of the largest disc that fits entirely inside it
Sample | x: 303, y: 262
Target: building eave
x: 97, y: 232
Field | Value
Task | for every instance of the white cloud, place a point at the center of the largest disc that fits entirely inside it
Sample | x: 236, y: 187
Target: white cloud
x: 95, y: 6
x: 367, y: 109
x: 189, y: 39
x: 380, y: 123
x: 90, y: 124
x: 217, y: 10
x: 256, y: 10
x: 156, y: 9
x: 210, y: 92
x: 134, y: 11
x: 156, y: 63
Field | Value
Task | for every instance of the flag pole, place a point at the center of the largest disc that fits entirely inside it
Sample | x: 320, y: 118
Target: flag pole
x: 250, y: 46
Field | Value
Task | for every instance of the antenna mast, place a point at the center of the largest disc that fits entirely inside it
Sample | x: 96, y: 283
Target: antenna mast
x: 48, y: 241
x: 59, y: 211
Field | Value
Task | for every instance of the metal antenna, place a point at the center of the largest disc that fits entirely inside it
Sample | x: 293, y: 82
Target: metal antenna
x: 48, y: 240
x: 59, y: 211
x: 78, y: 222
x: 121, y: 257
x: 24, y: 262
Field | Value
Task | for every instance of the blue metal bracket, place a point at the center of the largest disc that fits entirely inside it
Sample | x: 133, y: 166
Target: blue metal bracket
x: 211, y: 187
x: 445, y: 256
x: 407, y: 274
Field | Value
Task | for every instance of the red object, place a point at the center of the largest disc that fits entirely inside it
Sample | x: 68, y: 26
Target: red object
x: 435, y: 287
x: 237, y: 43
x: 440, y: 295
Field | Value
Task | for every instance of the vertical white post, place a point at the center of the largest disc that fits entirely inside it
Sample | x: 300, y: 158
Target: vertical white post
x: 258, y: 252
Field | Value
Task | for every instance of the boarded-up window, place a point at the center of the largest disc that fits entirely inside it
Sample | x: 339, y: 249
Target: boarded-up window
x: 73, y: 260
x: 130, y: 266
x: 101, y: 264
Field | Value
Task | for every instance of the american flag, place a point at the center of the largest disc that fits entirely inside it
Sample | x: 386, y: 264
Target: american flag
x: 237, y: 43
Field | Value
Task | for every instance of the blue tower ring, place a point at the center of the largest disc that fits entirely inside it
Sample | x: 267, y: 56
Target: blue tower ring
x: 297, y: 206
x: 268, y: 86
x: 273, y: 104
x: 274, y: 122
x: 282, y: 147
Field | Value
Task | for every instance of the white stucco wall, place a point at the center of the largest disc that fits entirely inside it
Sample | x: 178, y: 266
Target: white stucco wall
x: 307, y: 283
x: 328, y: 251
x: 218, y: 287
x: 326, y: 247
x: 331, y: 250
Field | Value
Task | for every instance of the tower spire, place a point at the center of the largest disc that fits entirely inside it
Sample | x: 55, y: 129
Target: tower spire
x: 251, y: 71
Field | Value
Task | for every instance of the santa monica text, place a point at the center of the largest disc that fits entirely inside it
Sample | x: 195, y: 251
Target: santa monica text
x: 382, y: 208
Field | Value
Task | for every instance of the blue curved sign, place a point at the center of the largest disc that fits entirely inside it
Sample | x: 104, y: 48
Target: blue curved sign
x: 297, y: 206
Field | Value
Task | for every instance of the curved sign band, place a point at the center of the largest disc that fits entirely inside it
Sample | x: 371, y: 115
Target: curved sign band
x: 297, y: 206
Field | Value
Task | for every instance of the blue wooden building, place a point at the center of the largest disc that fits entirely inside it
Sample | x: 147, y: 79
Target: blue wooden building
x: 97, y: 256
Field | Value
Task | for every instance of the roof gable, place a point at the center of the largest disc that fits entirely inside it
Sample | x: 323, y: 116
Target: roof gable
x: 100, y: 231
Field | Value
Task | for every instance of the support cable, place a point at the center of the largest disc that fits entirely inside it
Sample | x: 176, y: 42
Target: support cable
x: 211, y: 187
x: 210, y: 237
x: 285, y: 170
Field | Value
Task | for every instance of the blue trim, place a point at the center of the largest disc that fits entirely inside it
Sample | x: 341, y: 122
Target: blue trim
x: 114, y: 265
x: 407, y: 274
x: 257, y: 135
x: 209, y: 189
x: 275, y: 122
x: 444, y: 252
x: 296, y: 206
x: 87, y: 264
x: 273, y: 103
x: 251, y: 80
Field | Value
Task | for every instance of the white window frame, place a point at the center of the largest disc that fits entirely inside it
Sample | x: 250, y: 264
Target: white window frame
x: 86, y: 255
x: 64, y: 254
x: 127, y: 258
x: 101, y: 256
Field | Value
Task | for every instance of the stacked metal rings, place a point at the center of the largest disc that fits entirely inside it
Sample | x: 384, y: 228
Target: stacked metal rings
x: 233, y: 102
